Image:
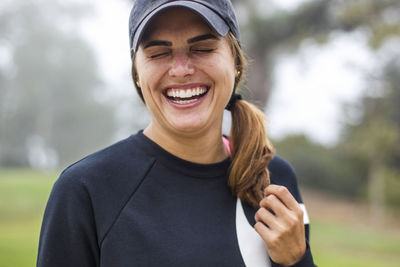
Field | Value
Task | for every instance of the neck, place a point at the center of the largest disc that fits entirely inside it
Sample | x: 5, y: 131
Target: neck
x: 204, y: 148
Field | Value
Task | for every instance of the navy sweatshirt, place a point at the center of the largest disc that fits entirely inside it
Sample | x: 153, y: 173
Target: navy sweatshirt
x: 135, y: 204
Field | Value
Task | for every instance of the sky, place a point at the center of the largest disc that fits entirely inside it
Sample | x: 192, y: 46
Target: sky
x: 310, y: 86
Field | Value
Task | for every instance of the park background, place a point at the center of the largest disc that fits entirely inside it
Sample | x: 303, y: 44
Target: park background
x: 326, y: 73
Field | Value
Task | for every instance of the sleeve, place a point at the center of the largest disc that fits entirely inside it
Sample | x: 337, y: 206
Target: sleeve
x: 305, y: 261
x: 68, y: 235
x: 282, y: 173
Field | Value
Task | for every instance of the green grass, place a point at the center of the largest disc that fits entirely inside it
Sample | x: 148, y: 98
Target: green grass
x: 23, y: 196
x: 338, y: 244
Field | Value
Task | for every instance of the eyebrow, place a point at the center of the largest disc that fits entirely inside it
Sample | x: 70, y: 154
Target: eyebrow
x: 158, y: 43
x: 189, y: 41
x: 202, y: 38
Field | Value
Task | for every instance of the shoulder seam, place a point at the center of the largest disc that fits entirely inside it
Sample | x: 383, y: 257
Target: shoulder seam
x: 126, y: 202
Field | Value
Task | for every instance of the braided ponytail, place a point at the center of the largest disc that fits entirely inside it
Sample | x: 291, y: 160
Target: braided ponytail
x: 251, y: 150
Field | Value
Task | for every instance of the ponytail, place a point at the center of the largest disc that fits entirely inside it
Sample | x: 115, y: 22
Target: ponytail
x: 251, y: 151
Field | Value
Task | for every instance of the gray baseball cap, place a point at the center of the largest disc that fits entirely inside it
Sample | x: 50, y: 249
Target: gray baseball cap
x: 219, y: 14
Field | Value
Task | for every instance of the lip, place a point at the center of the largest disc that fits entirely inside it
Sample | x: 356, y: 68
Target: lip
x: 188, y: 103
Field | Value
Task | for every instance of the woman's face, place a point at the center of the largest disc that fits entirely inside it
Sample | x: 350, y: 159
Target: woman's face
x: 186, y: 72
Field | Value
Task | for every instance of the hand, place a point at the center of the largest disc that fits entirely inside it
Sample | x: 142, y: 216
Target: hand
x: 283, y: 233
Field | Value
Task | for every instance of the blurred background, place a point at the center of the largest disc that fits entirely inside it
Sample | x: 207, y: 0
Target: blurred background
x: 326, y: 73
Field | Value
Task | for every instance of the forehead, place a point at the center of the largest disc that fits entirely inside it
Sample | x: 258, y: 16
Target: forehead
x: 178, y: 20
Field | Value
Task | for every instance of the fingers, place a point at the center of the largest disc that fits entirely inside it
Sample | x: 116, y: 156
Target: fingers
x: 279, y: 222
x: 262, y: 230
x: 274, y: 204
x: 283, y: 194
x: 266, y: 217
x: 276, y: 213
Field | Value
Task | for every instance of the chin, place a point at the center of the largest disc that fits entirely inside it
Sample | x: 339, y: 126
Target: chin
x: 188, y: 127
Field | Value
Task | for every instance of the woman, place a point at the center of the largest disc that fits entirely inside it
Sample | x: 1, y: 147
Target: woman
x: 178, y: 193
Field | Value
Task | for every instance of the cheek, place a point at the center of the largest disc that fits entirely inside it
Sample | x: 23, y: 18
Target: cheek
x: 149, y: 76
x: 221, y: 69
x: 226, y: 74
x: 146, y: 83
x: 144, y: 69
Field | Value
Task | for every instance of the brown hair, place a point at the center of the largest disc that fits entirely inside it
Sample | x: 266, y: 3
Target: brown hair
x: 135, y: 77
x: 251, y: 150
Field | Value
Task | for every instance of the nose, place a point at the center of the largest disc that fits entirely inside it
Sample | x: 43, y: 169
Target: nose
x: 181, y: 65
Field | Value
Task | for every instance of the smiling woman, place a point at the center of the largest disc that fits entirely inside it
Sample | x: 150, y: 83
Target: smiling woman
x: 179, y: 193
x: 179, y: 56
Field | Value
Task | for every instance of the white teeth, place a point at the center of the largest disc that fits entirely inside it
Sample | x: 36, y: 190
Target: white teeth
x: 188, y: 93
x: 185, y: 101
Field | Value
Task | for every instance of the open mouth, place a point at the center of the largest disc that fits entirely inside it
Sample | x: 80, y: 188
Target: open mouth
x: 186, y: 96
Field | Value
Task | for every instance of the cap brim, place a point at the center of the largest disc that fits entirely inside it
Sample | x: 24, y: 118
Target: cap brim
x: 212, y: 18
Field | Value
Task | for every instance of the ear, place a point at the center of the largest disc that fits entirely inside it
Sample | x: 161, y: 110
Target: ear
x: 137, y: 82
x: 135, y: 78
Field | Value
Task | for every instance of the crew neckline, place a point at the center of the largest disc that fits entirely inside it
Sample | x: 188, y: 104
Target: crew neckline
x: 192, y: 169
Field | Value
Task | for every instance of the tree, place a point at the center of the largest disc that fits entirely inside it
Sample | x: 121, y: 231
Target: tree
x: 375, y: 138
x: 49, y: 106
x: 267, y: 34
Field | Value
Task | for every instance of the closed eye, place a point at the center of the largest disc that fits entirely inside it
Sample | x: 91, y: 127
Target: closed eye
x: 203, y: 50
x: 159, y: 55
x: 206, y: 46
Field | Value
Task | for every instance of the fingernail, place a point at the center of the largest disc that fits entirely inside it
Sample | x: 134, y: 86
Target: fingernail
x: 264, y: 192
